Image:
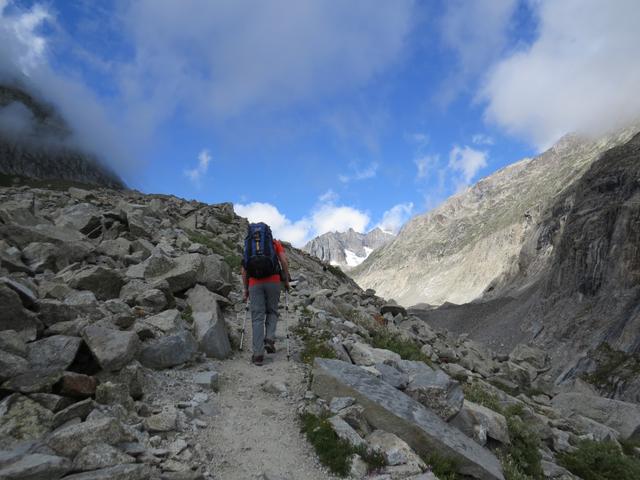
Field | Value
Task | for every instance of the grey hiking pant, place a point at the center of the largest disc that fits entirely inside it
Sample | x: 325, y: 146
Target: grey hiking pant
x: 264, y: 299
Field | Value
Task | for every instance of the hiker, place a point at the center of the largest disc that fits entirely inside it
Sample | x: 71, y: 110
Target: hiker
x: 264, y: 266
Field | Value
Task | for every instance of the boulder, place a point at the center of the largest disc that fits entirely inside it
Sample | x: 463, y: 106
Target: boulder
x: 345, y: 432
x: 364, y: 354
x: 11, y: 365
x: 22, y: 419
x: 215, y: 274
x: 435, y: 390
x: 41, y: 256
x: 152, y: 300
x: 393, y: 310
x: 165, y: 421
x: 55, y: 311
x: 33, y: 381
x: 118, y: 248
x: 100, y: 455
x: 26, y: 294
x: 389, y: 409
x: 77, y: 385
x: 103, y: 282
x: 36, y: 466
x: 392, y: 376
x: 160, y: 324
x: 394, y: 450
x: 112, y: 349
x: 68, y: 441
x: 57, y: 351
x: 168, y: 351
x: 480, y: 422
x: 623, y: 417
x: 534, y: 356
x: 79, y: 410
x: 211, y: 333
x: 83, y: 217
x: 13, y: 316
x: 50, y: 401
x: 12, y: 342
x: 184, y: 274
x: 11, y: 258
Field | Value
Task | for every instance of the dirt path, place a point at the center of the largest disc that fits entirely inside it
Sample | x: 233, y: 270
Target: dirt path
x: 257, y: 431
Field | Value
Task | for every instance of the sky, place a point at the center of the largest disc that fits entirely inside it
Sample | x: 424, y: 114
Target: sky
x: 322, y: 115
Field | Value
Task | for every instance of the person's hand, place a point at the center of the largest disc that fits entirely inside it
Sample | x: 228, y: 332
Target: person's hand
x: 287, y: 286
x: 245, y: 296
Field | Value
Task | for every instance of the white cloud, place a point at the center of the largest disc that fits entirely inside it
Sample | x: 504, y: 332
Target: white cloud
x: 227, y: 58
x: 195, y: 174
x: 477, y: 31
x: 328, y: 197
x: 482, y: 139
x: 580, y: 74
x: 323, y: 218
x: 22, y: 48
x: 425, y: 164
x: 467, y: 162
x: 395, y: 217
x: 331, y: 218
x: 358, y: 174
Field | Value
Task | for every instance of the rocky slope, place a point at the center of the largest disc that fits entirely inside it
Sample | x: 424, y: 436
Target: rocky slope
x: 455, y: 252
x: 347, y: 249
x: 120, y: 318
x: 574, y: 287
x: 35, y: 143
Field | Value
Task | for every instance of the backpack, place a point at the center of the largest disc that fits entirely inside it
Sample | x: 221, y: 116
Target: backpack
x: 260, y: 259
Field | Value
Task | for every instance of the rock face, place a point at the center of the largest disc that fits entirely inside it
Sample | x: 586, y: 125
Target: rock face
x: 574, y: 286
x: 392, y: 411
x: 460, y: 249
x: 45, y: 152
x: 347, y: 249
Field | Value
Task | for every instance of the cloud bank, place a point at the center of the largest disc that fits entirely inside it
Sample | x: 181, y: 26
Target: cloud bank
x: 581, y: 73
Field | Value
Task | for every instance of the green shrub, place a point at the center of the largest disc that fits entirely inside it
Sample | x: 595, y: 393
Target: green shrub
x: 187, y: 314
x: 337, y: 272
x: 332, y: 451
x: 445, y: 468
x: 475, y: 393
x: 600, y: 461
x: 524, y: 444
x: 315, y: 344
x: 406, y: 348
x: 511, y: 469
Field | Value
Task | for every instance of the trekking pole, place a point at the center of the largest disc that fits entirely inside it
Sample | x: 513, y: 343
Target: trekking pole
x: 244, y: 322
x: 286, y: 321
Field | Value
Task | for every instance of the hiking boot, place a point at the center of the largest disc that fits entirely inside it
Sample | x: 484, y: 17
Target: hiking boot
x: 269, y: 346
x: 257, y: 360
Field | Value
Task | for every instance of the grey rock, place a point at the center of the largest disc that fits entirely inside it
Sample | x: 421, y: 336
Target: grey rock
x: 36, y: 466
x: 165, y: 421
x: 55, y: 311
x: 119, y: 472
x: 68, y: 441
x: 436, y: 390
x: 112, y: 349
x: 11, y: 259
x: 346, y: 432
x: 392, y: 376
x: 354, y: 416
x: 51, y: 402
x: 215, y: 274
x: 79, y: 410
x: 11, y: 365
x: 118, y: 248
x: 13, y: 316
x: 168, y: 351
x: 211, y: 334
x: 22, y: 419
x: 207, y: 380
x: 41, y: 256
x: 394, y: 449
x: 83, y: 217
x: 103, y: 282
x: 12, y: 342
x: 340, y: 403
x: 100, y: 455
x: 364, y: 354
x: 57, y: 351
x: 391, y: 410
x: 160, y: 324
x: 26, y: 294
x: 152, y: 300
x: 529, y: 354
x: 623, y: 417
x: 109, y: 393
x: 33, y: 381
x: 479, y: 422
x: 393, y: 309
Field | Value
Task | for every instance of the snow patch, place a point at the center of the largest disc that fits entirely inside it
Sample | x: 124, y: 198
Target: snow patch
x: 354, y: 260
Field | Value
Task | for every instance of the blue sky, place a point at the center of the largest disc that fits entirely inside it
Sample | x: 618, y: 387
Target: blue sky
x: 318, y: 115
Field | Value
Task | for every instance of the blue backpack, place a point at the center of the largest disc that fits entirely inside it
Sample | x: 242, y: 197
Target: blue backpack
x: 260, y: 259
